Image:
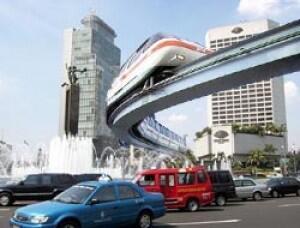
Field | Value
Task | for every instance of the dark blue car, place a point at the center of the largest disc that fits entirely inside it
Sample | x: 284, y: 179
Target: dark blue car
x: 94, y: 204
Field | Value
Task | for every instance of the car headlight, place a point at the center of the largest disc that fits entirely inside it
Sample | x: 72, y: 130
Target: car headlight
x: 269, y: 189
x: 39, y: 219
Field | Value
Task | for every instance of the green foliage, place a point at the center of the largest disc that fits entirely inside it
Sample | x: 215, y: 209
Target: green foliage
x: 169, y: 163
x: 179, y: 162
x: 270, y: 129
x: 176, y: 163
x: 270, y: 149
x: 199, y: 134
x: 236, y: 128
x: 294, y: 159
x: 236, y: 165
x: 190, y: 155
x: 255, y: 158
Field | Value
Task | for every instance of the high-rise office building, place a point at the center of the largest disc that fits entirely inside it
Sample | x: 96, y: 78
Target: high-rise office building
x: 92, y: 51
x: 257, y: 103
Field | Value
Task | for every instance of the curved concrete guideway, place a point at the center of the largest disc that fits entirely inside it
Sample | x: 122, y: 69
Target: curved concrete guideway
x: 270, y: 54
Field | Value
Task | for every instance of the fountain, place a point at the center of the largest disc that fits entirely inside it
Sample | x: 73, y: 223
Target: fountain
x: 71, y: 155
x: 5, y: 159
x: 75, y: 155
x: 27, y: 159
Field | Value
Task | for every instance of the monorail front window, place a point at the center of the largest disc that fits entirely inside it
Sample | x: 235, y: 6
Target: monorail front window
x: 155, y: 38
x: 144, y: 47
x: 134, y: 56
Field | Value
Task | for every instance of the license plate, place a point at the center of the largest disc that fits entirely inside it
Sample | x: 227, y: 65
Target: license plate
x: 15, y: 226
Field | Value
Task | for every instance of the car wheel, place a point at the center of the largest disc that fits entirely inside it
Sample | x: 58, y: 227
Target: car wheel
x: 275, y: 194
x: 5, y: 199
x: 221, y: 201
x: 192, y: 205
x: 257, y: 196
x: 144, y: 220
x: 298, y: 192
x: 69, y: 224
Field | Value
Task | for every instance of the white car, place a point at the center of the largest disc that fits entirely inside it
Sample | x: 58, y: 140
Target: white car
x: 247, y: 188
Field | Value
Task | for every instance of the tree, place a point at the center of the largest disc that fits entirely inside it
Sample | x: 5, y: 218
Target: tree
x: 294, y: 159
x: 179, y: 163
x: 269, y: 152
x: 168, y: 163
x: 235, y: 128
x: 270, y: 149
x: 199, y: 134
x: 256, y: 157
x: 190, y: 155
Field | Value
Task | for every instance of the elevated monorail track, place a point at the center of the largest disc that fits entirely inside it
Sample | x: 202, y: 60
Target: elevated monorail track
x: 267, y: 55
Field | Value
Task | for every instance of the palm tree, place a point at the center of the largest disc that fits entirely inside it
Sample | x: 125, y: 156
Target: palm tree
x: 270, y: 151
x: 190, y: 155
x: 179, y: 163
x: 199, y: 134
x: 255, y: 159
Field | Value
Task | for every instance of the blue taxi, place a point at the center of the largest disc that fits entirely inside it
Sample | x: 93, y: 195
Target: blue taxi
x: 94, y: 204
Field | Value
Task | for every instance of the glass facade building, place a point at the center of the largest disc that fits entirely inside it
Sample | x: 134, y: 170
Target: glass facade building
x: 92, y: 48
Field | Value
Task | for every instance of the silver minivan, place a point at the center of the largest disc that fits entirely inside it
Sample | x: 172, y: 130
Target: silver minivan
x: 247, y: 188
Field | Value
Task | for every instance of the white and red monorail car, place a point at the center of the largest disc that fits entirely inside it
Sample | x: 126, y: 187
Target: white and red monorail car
x: 157, y: 54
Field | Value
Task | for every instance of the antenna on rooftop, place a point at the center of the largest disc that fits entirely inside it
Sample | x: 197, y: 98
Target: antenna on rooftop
x: 93, y: 11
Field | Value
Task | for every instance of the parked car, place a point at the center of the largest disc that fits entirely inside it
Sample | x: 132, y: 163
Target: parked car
x: 94, y: 204
x: 296, y: 175
x: 248, y: 188
x: 91, y: 177
x: 35, y: 187
x: 285, y: 185
x: 187, y: 188
x: 223, y: 186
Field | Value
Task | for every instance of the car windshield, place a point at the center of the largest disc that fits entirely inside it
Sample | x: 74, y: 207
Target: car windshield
x: 75, y: 195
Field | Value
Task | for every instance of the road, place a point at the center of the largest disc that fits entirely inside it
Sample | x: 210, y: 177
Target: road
x: 269, y: 213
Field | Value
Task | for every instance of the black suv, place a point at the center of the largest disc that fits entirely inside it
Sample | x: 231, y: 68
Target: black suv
x: 285, y: 185
x: 223, y: 186
x: 91, y: 177
x: 35, y: 187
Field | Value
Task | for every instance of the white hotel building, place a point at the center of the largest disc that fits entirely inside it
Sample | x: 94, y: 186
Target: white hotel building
x: 257, y: 103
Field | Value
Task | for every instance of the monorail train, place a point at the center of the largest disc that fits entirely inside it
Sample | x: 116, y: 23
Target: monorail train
x: 154, y: 131
x: 153, y: 61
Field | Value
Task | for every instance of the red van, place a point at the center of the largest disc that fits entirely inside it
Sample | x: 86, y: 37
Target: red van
x: 185, y: 188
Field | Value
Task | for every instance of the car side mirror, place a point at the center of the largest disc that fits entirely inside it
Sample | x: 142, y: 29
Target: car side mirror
x: 21, y: 183
x: 94, y: 201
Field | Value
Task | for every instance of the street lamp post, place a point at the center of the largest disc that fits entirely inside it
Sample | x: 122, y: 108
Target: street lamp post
x: 294, y: 153
x: 284, y: 160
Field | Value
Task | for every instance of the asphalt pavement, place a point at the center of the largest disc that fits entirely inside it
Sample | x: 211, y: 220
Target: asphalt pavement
x: 269, y: 213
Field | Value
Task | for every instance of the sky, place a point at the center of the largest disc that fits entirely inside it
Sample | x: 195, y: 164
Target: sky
x: 31, y: 56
